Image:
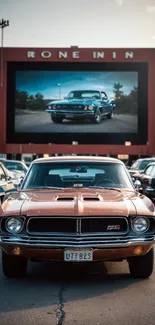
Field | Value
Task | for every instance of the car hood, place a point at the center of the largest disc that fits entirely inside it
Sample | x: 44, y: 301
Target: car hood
x: 77, y: 202
x: 72, y: 102
x: 135, y: 171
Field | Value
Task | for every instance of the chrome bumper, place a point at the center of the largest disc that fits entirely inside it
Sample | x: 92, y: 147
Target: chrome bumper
x: 67, y: 242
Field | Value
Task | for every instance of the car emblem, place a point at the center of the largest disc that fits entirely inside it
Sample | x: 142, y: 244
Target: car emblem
x: 113, y: 227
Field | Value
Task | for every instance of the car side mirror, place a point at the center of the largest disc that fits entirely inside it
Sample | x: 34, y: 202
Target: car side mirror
x: 18, y: 182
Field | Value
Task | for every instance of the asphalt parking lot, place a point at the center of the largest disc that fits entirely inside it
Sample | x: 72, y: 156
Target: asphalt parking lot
x: 56, y: 294
x: 41, y: 122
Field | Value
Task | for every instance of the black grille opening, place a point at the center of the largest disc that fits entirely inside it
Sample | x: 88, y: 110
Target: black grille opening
x: 107, y: 225
x: 51, y: 225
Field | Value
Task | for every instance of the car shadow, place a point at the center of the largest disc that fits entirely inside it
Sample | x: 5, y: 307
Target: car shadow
x: 42, y: 285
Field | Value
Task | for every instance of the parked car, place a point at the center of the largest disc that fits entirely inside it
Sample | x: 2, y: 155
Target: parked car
x: 81, y: 105
x: 139, y: 165
x: 6, y: 182
x: 77, y: 209
x: 147, y: 181
x: 17, y: 168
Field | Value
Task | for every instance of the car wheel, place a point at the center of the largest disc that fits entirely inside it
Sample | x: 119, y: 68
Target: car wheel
x: 56, y: 119
x: 97, y: 117
x: 141, y: 266
x: 13, y: 266
x: 110, y: 115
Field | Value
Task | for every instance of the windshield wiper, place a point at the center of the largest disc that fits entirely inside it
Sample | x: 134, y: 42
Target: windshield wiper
x: 46, y: 187
x: 106, y: 188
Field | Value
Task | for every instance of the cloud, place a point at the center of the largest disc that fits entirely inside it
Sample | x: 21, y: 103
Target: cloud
x: 153, y: 37
x: 120, y: 2
x: 150, y: 8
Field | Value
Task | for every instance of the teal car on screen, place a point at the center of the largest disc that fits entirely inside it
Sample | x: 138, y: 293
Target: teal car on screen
x: 82, y: 105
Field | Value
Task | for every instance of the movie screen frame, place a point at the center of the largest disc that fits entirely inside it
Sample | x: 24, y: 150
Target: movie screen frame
x: 140, y: 137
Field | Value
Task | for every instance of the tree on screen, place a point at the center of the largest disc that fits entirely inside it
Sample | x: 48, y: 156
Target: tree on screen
x: 25, y: 101
x: 117, y: 90
x: 126, y: 104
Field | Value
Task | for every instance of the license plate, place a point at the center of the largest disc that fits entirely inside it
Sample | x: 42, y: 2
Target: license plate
x: 69, y: 115
x: 78, y: 255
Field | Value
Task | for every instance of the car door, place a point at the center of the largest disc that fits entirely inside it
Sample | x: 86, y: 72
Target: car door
x: 146, y: 176
x: 105, y: 103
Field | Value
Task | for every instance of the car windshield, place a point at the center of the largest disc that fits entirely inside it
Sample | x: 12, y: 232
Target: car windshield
x: 11, y: 165
x: 84, y: 95
x: 77, y: 174
x: 142, y: 164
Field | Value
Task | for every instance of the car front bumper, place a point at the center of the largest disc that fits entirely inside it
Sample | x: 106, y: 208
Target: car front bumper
x: 71, y: 114
x: 49, y: 248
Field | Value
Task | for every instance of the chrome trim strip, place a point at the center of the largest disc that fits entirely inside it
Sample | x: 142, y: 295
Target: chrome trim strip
x: 51, y: 243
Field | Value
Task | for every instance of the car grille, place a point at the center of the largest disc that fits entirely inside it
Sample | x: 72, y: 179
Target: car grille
x: 70, y: 107
x: 70, y: 225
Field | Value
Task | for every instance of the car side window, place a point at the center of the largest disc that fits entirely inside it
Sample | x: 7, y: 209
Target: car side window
x: 2, y: 175
x: 148, y: 170
x: 104, y: 96
x: 152, y: 174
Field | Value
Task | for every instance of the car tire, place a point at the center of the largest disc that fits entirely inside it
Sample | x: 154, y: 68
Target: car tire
x: 56, y: 119
x: 110, y: 115
x: 13, y: 266
x: 97, y: 117
x: 141, y: 266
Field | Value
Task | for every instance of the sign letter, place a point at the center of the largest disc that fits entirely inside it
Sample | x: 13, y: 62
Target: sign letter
x: 76, y: 55
x: 46, y: 54
x: 30, y: 54
x: 63, y: 55
x: 128, y: 55
x: 114, y: 55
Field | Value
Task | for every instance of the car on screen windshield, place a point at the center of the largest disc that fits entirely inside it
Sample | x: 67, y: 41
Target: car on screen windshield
x: 77, y: 210
x: 81, y: 105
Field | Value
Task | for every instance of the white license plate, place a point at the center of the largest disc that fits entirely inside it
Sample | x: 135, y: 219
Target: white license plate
x: 78, y: 255
x: 69, y: 115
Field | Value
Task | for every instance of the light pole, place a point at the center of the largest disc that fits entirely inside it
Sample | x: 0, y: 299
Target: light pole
x: 59, y: 85
x: 3, y: 23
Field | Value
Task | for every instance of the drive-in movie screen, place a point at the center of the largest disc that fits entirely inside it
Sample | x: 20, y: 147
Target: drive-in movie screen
x: 51, y: 103
x: 76, y: 101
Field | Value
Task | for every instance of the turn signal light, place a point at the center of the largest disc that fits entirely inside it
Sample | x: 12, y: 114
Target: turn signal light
x: 138, y: 250
x: 17, y: 251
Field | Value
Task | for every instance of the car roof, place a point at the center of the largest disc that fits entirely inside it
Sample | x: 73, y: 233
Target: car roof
x: 77, y: 158
x: 140, y: 159
x: 151, y: 164
x: 90, y: 90
x: 10, y: 160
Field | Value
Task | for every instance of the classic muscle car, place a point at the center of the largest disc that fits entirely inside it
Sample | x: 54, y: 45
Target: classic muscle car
x: 77, y: 209
x: 82, y: 104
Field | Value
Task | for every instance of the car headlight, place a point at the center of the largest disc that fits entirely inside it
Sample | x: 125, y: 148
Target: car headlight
x: 14, y: 225
x: 54, y: 106
x: 140, y: 224
x: 49, y: 107
x: 90, y: 107
x: 85, y: 108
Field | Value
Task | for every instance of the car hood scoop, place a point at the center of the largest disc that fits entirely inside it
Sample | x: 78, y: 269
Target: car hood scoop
x: 61, y: 198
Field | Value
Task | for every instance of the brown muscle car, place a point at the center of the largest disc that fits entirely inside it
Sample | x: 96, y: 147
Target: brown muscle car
x: 79, y: 210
